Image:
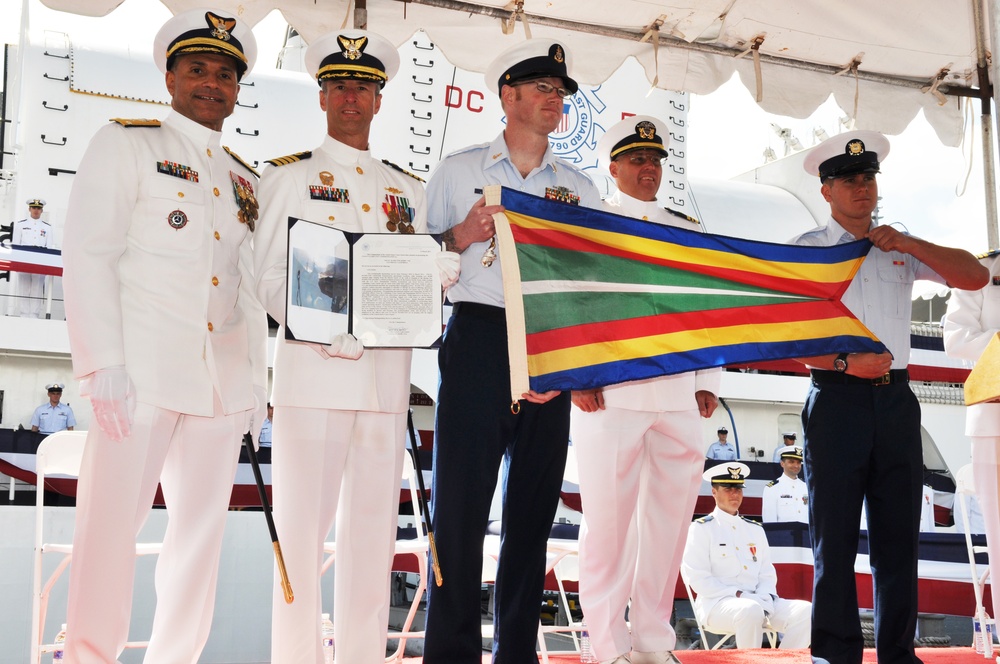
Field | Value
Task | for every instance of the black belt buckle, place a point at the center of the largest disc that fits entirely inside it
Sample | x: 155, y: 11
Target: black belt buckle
x: 884, y: 379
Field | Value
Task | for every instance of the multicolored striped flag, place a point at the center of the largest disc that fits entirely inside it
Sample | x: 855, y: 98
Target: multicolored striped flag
x: 594, y: 298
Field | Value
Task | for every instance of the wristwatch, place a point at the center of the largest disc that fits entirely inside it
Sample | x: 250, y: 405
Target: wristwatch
x: 840, y: 363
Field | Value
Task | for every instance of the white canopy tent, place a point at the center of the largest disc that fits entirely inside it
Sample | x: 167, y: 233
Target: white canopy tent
x: 881, y: 62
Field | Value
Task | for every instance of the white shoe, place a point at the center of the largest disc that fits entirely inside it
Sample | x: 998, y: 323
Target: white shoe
x: 620, y: 659
x: 659, y: 657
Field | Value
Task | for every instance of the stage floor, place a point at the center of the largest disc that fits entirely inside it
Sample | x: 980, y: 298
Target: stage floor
x: 957, y: 655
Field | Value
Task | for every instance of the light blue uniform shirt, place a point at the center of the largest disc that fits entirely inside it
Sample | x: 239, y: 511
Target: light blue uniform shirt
x: 265, y: 433
x: 51, y: 419
x: 721, y: 451
x: 880, y: 293
x: 458, y: 183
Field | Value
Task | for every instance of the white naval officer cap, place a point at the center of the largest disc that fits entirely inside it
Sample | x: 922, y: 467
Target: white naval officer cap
x: 790, y: 452
x: 54, y: 387
x: 205, y: 31
x: 849, y: 153
x: 36, y: 202
x: 639, y: 132
x: 358, y: 55
x: 730, y: 473
x: 530, y: 59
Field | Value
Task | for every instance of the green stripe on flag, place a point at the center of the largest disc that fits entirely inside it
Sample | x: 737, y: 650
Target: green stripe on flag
x: 550, y: 311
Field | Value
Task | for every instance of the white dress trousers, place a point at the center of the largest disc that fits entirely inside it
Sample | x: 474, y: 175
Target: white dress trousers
x: 640, y: 462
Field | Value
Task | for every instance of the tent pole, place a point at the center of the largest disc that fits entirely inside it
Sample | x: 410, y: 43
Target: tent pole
x: 988, y: 92
x: 361, y: 14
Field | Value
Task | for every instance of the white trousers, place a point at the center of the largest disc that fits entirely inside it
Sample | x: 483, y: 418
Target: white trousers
x: 194, y: 460
x: 31, y: 295
x: 639, y: 479
x: 335, y: 466
x: 745, y: 618
x: 986, y: 476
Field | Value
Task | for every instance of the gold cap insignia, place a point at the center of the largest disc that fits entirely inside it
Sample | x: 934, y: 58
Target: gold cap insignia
x: 221, y: 27
x: 352, y: 48
x: 734, y: 473
x: 557, y: 54
x: 646, y: 130
x: 855, y: 147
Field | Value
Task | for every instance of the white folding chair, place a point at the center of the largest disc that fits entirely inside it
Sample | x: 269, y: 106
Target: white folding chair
x: 58, y: 454
x: 772, y: 636
x: 417, y: 548
x: 965, y: 489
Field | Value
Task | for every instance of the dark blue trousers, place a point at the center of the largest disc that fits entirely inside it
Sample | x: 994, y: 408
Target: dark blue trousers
x: 475, y: 431
x: 862, y: 443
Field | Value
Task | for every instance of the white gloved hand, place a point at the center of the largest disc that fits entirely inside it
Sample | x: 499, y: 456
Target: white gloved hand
x: 112, y: 397
x: 258, y: 415
x: 346, y: 346
x: 765, y: 602
x: 449, y: 265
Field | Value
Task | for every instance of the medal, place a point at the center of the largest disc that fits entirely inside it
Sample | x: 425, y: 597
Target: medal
x: 246, y: 201
x: 400, y: 214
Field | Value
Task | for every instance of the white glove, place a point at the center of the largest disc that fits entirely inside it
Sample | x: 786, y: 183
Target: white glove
x: 346, y: 346
x: 112, y: 396
x: 258, y: 415
x: 764, y: 601
x: 449, y: 265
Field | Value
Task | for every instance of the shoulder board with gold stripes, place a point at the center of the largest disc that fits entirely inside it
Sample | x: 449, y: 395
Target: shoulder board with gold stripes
x: 988, y: 254
x: 290, y: 159
x: 136, y: 122
x: 748, y: 520
x: 240, y: 159
x: 704, y: 519
x: 402, y: 170
x: 772, y: 483
x: 682, y: 215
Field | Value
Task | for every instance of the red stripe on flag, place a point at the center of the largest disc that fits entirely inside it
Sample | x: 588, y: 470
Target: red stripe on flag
x: 634, y: 328
x: 562, y: 240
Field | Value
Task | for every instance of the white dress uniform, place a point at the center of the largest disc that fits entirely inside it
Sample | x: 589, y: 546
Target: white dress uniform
x: 785, y: 499
x: 158, y: 279
x: 31, y: 287
x: 339, y: 435
x: 973, y: 319
x: 640, y: 463
x: 725, y: 554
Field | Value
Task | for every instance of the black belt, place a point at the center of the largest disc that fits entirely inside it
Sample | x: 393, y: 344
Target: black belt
x: 486, y: 311
x: 894, y: 377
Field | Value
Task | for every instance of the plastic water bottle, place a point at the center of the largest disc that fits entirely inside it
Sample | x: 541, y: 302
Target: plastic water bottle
x: 977, y: 637
x: 327, y: 639
x: 57, y: 656
x: 586, y: 655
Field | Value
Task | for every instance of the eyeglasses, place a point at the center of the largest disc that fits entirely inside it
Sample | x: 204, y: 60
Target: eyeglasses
x: 547, y: 88
x: 643, y: 158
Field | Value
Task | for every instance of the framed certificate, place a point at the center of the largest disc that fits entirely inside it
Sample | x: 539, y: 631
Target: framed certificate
x: 384, y: 288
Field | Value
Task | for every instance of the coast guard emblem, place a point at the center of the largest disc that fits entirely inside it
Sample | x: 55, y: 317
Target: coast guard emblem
x: 855, y: 148
x: 352, y: 48
x: 221, y: 27
x: 177, y: 219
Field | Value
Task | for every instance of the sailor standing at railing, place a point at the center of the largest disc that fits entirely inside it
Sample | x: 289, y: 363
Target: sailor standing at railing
x: 32, y: 232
